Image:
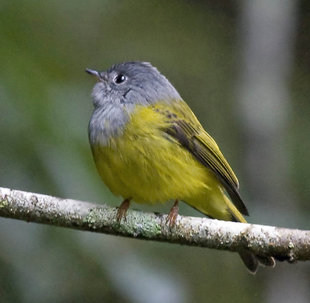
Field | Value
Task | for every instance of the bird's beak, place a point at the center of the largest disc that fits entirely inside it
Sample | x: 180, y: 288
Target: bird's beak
x: 93, y: 73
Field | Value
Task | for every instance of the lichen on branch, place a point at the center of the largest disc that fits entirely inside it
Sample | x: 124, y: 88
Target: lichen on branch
x: 282, y: 243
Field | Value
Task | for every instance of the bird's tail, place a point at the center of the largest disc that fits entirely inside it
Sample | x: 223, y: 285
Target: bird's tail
x: 250, y: 260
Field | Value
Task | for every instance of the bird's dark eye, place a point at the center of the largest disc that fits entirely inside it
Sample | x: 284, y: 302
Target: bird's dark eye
x: 120, y: 79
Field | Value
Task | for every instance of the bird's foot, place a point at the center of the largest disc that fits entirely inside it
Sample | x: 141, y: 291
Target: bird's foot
x: 173, y: 214
x: 122, y: 210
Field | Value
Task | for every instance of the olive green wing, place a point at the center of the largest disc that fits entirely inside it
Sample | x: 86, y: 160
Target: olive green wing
x: 186, y: 129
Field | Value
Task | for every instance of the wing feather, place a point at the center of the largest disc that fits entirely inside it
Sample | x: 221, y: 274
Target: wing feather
x: 184, y: 127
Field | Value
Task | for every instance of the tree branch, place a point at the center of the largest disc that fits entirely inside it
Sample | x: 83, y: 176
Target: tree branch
x: 282, y: 243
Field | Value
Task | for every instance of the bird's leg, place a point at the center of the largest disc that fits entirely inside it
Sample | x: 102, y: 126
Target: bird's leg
x: 173, y: 214
x: 122, y: 210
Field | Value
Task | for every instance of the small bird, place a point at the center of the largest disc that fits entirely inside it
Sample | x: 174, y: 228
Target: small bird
x: 149, y: 147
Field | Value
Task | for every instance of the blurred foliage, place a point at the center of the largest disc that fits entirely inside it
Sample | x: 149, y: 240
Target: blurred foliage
x: 45, y: 106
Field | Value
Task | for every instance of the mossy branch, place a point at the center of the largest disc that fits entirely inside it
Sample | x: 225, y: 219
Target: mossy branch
x: 282, y: 243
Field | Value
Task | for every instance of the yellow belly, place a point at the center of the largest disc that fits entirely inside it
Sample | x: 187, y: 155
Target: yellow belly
x: 148, y: 166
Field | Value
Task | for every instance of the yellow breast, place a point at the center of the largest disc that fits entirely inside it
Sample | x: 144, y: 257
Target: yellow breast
x: 148, y: 165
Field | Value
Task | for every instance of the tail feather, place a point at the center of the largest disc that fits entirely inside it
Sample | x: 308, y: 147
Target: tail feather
x: 266, y: 261
x: 250, y: 260
x: 234, y: 211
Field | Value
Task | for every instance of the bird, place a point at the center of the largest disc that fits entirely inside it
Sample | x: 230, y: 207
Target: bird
x: 149, y: 147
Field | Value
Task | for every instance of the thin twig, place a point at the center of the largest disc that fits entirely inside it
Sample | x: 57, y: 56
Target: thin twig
x: 282, y: 243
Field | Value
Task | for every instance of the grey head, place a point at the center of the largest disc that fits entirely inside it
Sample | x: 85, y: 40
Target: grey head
x: 118, y: 90
x: 131, y: 83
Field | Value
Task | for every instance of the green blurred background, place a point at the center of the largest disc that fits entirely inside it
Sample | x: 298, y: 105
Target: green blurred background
x: 244, y: 68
